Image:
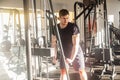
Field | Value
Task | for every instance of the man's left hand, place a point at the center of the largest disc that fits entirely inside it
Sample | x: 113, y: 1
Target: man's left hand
x: 69, y: 61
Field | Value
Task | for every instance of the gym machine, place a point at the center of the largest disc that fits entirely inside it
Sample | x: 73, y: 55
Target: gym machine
x: 39, y: 55
x: 11, y: 42
x: 115, y: 43
x: 102, y: 52
x: 11, y: 28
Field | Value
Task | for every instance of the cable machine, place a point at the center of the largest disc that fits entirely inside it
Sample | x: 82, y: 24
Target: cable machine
x: 104, y: 47
x: 12, y: 41
x: 36, y: 52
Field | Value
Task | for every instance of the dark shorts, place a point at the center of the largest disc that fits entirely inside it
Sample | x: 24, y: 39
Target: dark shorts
x: 78, y: 63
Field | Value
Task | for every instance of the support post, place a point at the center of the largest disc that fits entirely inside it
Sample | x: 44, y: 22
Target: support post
x: 27, y: 39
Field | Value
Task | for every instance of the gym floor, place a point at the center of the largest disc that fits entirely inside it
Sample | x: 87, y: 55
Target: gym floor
x: 13, y: 67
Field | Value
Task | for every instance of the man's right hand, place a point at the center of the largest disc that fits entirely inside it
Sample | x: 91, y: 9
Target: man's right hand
x: 54, y: 60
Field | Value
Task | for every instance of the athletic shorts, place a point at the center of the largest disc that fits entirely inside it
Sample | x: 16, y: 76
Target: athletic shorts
x: 77, y: 64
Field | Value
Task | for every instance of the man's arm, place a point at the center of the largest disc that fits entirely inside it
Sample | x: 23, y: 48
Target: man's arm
x: 75, y: 41
x: 54, y: 45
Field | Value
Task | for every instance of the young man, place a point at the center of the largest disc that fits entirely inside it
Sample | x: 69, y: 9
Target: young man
x: 69, y: 34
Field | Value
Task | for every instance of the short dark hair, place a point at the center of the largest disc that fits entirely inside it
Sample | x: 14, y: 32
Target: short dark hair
x: 63, y: 12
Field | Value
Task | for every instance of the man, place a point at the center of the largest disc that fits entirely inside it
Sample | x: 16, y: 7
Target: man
x: 69, y: 35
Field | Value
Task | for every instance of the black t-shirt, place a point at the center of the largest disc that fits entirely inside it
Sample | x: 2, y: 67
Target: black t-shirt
x: 66, y: 37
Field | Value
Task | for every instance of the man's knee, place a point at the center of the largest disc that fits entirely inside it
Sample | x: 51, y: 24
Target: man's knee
x: 82, y: 71
x: 63, y: 71
x: 83, y: 74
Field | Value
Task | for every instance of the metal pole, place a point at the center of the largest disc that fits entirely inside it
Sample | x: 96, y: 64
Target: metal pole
x: 119, y: 19
x: 19, y: 24
x: 45, y: 23
x: 59, y: 40
x: 27, y: 39
x: 105, y: 23
x: 35, y: 19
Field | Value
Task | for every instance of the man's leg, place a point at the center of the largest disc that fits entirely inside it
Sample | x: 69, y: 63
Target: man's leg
x: 63, y: 75
x: 83, y: 74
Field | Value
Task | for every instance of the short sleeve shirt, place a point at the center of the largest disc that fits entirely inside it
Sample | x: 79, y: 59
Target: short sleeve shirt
x: 66, y: 37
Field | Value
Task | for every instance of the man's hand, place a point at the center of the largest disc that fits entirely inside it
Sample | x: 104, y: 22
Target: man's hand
x: 54, y: 60
x: 69, y: 61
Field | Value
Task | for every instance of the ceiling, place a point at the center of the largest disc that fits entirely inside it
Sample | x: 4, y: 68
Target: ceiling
x: 113, y: 6
x: 57, y: 4
x: 69, y: 4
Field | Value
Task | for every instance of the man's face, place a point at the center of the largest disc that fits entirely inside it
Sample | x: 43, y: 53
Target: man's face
x: 64, y: 19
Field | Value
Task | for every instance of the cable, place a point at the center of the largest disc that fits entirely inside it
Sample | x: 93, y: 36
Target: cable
x: 59, y: 40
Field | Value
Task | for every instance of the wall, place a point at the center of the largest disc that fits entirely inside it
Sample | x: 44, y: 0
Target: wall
x: 113, y: 7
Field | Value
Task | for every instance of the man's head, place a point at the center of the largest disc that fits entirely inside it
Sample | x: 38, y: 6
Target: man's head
x: 63, y: 12
x: 64, y: 16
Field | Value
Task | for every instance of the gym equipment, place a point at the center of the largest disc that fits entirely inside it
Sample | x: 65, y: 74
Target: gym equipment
x: 116, y: 31
x: 103, y: 57
x: 27, y: 38
x: 115, y: 39
x: 103, y: 52
x: 5, y: 45
x: 119, y: 19
x: 42, y: 53
x: 59, y: 40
